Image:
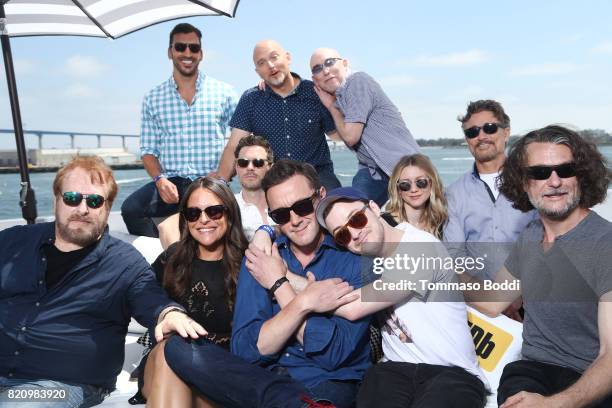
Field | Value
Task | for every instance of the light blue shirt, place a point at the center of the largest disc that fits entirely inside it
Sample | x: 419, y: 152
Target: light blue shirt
x: 476, y: 219
x: 187, y: 139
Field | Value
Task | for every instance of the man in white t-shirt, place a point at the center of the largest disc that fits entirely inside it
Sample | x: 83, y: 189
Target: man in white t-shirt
x: 253, y: 158
x: 433, y: 363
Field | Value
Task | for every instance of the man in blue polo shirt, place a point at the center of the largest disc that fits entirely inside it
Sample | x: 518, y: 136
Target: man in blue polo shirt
x: 287, y: 112
x: 366, y: 120
x: 283, y: 347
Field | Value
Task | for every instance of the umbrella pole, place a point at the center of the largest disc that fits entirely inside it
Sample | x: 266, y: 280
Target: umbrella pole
x: 27, y: 199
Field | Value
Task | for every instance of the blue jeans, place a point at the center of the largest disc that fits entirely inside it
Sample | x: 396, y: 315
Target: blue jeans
x: 376, y: 190
x: 328, y: 178
x: 233, y: 382
x: 76, y: 395
x: 145, y: 203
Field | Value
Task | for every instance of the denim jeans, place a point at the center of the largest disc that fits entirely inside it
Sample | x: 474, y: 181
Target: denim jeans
x: 233, y: 382
x: 328, y: 178
x: 146, y: 203
x: 376, y: 190
x: 76, y: 395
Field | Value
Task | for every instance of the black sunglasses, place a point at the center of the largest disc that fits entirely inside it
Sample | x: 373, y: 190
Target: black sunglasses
x: 214, y: 212
x: 406, y: 185
x: 73, y: 199
x: 244, y: 163
x: 302, y: 208
x: 488, y: 128
x: 181, y: 47
x: 358, y: 220
x: 317, y: 69
x: 565, y: 170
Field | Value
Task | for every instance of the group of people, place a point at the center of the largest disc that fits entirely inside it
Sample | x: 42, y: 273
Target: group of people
x: 285, y: 320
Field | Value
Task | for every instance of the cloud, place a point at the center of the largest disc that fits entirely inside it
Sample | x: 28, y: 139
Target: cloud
x: 83, y: 66
x: 79, y: 91
x: 399, y: 80
x: 553, y: 68
x: 24, y: 67
x: 471, y: 57
x: 603, y: 48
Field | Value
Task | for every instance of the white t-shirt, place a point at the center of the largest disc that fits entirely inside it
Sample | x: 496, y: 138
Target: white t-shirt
x: 438, y: 330
x: 251, y: 217
x: 491, y: 180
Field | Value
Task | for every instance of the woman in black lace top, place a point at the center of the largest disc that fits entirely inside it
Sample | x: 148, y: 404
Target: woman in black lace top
x: 199, y: 272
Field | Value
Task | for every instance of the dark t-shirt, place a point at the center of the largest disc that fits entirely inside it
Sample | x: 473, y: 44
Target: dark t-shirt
x: 561, y: 288
x: 205, y: 300
x: 60, y: 263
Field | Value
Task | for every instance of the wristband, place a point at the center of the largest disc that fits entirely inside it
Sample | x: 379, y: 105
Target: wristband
x: 172, y: 309
x: 277, y: 285
x: 269, y: 230
x: 158, y: 177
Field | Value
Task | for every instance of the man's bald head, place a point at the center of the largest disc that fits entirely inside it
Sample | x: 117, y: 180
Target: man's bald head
x: 272, y: 63
x: 329, y: 69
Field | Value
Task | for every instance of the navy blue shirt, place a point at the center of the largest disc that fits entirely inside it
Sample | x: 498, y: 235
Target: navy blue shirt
x: 75, y: 331
x: 294, y: 125
x: 334, y: 348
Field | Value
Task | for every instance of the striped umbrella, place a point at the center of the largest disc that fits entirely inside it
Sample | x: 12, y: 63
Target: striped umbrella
x: 92, y: 18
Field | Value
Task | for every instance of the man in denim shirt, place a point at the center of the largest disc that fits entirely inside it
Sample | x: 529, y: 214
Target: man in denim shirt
x: 67, y: 293
x: 284, y: 347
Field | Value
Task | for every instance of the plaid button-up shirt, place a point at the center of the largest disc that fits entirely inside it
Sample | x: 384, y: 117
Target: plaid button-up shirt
x: 187, y: 139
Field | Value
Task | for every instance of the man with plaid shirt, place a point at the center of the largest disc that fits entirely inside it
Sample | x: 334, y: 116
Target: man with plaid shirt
x: 183, y: 126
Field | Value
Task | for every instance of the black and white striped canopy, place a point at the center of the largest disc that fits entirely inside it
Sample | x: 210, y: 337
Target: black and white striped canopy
x: 102, y: 18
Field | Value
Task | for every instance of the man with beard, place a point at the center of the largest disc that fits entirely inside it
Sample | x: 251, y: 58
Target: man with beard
x: 287, y: 112
x: 477, y: 213
x: 68, y: 291
x: 562, y: 262
x: 183, y: 126
x: 366, y: 120
x: 284, y: 348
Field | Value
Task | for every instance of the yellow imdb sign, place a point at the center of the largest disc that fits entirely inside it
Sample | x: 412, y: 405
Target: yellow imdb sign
x: 491, y: 342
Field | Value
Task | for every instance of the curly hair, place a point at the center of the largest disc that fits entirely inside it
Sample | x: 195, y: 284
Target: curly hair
x: 486, y: 105
x: 177, y: 273
x: 591, y: 167
x: 435, y: 213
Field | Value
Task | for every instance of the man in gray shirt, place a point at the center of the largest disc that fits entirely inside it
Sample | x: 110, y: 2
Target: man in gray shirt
x: 366, y: 120
x: 481, y: 221
x: 562, y: 262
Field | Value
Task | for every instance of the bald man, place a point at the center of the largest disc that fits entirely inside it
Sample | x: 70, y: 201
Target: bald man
x: 287, y: 112
x: 365, y: 119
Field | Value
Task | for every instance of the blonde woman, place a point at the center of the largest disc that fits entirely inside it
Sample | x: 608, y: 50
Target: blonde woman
x: 416, y: 195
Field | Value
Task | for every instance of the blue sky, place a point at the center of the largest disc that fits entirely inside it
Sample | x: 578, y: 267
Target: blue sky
x: 546, y: 61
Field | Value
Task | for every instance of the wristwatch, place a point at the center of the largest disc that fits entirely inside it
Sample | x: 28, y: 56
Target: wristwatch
x: 159, y: 176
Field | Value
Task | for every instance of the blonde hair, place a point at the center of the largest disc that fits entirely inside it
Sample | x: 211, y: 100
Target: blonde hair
x: 435, y: 213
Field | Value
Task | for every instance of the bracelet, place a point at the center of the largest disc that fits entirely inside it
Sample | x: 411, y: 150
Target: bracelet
x: 158, y: 177
x: 172, y: 309
x: 277, y: 285
x: 269, y: 230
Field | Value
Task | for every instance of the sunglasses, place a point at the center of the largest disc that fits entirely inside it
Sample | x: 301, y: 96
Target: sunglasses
x: 406, y: 185
x: 329, y: 62
x: 181, y: 47
x: 358, y: 220
x: 488, y: 128
x: 302, y: 208
x: 244, y: 163
x: 544, y: 172
x: 73, y: 199
x: 213, y: 212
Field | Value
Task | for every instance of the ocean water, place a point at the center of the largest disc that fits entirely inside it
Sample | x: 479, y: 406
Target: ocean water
x: 450, y: 162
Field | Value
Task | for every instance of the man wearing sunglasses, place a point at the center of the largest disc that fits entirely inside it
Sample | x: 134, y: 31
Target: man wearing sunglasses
x: 480, y: 219
x: 310, y: 352
x: 68, y: 291
x: 184, y: 122
x: 365, y: 118
x: 286, y: 111
x: 562, y: 261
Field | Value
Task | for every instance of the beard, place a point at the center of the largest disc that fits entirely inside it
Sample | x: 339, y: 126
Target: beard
x: 278, y: 80
x: 556, y: 213
x: 84, y: 235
